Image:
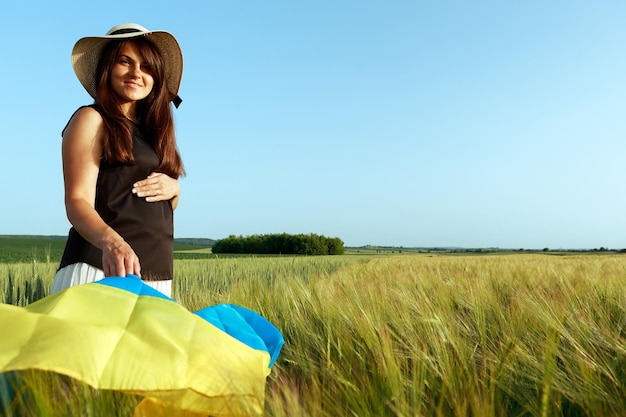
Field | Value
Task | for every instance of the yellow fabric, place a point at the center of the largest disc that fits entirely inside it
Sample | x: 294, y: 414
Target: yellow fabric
x: 113, y: 339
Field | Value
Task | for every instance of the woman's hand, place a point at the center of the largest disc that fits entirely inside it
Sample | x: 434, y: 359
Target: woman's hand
x: 119, y: 259
x: 157, y: 187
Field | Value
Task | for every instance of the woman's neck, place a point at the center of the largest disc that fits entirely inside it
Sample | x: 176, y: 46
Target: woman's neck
x: 130, y: 111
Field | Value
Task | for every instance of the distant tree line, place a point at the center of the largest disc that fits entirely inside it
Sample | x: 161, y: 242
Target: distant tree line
x: 284, y: 243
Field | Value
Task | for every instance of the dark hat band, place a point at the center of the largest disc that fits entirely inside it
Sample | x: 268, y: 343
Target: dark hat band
x: 125, y: 30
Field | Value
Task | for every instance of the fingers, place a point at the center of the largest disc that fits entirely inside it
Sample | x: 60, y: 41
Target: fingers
x: 109, y: 271
x: 120, y: 262
x: 114, y: 269
x: 120, y: 270
x: 156, y: 187
x: 147, y: 188
x: 136, y: 268
x: 125, y: 267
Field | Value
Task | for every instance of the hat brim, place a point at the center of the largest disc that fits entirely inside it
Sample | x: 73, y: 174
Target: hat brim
x: 87, y: 51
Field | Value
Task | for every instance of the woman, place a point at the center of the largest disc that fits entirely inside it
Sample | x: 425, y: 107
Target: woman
x: 120, y: 161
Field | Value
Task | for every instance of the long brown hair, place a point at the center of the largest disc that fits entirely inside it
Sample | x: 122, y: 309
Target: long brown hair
x: 154, y: 112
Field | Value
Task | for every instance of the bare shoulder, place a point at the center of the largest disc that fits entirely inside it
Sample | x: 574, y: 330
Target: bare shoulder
x: 85, y: 124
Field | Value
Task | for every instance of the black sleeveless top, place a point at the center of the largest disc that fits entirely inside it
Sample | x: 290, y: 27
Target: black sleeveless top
x: 147, y: 227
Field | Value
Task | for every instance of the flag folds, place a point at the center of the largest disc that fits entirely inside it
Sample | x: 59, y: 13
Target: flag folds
x: 120, y: 334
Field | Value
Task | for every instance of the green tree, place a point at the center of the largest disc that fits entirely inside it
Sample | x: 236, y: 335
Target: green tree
x: 301, y: 244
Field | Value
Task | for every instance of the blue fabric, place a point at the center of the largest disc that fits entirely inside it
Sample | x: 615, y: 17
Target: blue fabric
x: 134, y: 284
x: 246, y: 326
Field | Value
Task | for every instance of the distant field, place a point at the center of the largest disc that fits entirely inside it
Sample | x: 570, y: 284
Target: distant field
x: 28, y: 249
x: 20, y: 249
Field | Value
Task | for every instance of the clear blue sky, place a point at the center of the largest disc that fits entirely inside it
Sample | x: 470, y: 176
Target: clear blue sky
x: 404, y: 123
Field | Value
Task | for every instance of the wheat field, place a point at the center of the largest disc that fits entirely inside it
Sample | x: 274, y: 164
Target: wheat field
x: 406, y: 334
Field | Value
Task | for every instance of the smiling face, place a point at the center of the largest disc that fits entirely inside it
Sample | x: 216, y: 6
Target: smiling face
x: 131, y: 76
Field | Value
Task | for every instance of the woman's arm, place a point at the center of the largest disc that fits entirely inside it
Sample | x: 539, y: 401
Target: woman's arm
x: 82, y: 150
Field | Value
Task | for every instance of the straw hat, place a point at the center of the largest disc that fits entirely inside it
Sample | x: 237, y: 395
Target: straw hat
x: 87, y: 52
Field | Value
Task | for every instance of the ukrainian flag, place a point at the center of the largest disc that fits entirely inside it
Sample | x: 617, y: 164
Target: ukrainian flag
x: 120, y: 334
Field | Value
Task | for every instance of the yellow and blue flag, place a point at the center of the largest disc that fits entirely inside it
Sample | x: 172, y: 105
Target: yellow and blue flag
x: 120, y: 334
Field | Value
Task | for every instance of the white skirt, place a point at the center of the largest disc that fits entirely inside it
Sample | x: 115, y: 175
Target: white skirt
x: 82, y: 273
